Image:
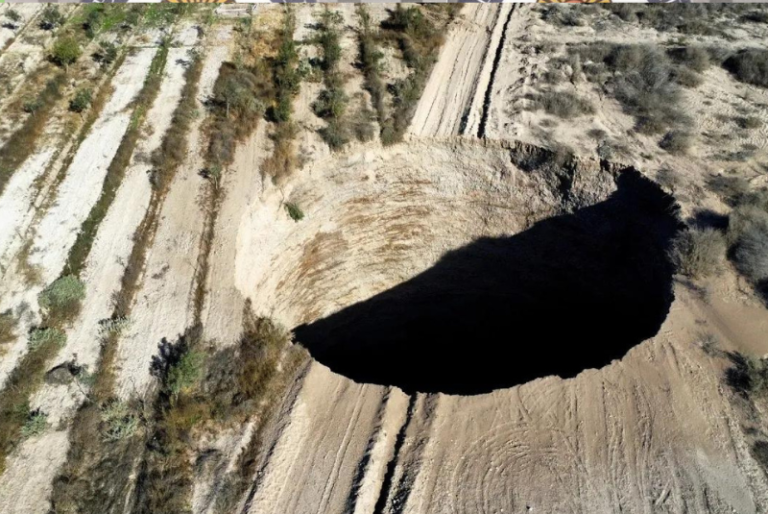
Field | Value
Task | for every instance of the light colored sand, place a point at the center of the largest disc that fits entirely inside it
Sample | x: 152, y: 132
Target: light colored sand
x: 163, y: 306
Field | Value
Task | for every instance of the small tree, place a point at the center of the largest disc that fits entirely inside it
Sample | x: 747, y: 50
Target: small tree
x: 66, y: 51
x: 81, y: 101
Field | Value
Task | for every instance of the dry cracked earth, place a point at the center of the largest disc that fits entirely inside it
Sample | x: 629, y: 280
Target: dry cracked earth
x: 490, y: 326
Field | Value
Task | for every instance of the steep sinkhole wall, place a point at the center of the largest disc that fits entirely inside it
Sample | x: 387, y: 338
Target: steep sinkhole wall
x: 462, y: 267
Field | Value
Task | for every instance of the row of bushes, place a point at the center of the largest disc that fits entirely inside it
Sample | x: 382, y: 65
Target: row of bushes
x: 107, y: 434
x: 203, y: 389
x: 332, y: 102
x: 699, y: 253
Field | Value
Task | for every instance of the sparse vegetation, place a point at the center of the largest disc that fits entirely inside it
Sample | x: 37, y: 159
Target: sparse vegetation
x: 748, y: 122
x: 370, y: 57
x: 8, y: 324
x: 294, y: 211
x: 51, y: 17
x: 747, y: 375
x: 748, y: 235
x: 35, y: 425
x: 676, y: 142
x: 21, y: 143
x: 642, y: 79
x: 749, y: 65
x: 563, y: 104
x: 81, y: 101
x: 698, y: 253
x: 13, y: 15
x: 47, y: 338
x: 117, y: 168
x: 120, y: 421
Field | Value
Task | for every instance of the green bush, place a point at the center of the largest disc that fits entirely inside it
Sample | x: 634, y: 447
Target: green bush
x: 46, y: 337
x: 81, y: 101
x: 294, y: 211
x: 698, y: 253
x: 749, y: 65
x: 66, y: 51
x: 185, y: 373
x: 36, y: 423
x: 747, y: 375
x: 63, y: 295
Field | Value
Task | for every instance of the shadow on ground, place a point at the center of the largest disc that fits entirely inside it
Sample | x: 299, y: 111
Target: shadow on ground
x: 572, y: 292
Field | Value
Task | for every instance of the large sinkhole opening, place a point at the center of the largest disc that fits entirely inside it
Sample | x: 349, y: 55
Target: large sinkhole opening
x: 459, y: 270
x: 570, y: 293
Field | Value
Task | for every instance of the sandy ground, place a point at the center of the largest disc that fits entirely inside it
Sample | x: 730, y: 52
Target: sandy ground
x: 655, y: 431
x: 164, y: 307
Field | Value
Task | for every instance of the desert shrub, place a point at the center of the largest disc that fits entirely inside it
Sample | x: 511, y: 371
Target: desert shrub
x: 564, y: 104
x: 370, y: 57
x: 748, y: 122
x: 8, y: 324
x: 335, y: 134
x: 749, y: 65
x: 747, y: 375
x: 36, y: 423
x: 686, y: 77
x: 119, y: 420
x: 46, y: 337
x: 694, y: 57
x: 748, y: 235
x: 81, y: 101
x: 294, y: 211
x: 63, y: 295
x: 66, y: 51
x: 105, y: 54
x: 759, y: 448
x: 640, y: 77
x: 13, y: 15
x: 756, y: 16
x: 731, y: 188
x: 676, y: 142
x: 30, y: 106
x: 361, y: 123
x: 184, y: 373
x: 51, y: 17
x: 562, y: 15
x: 698, y: 253
x: 331, y: 103
x: 113, y: 326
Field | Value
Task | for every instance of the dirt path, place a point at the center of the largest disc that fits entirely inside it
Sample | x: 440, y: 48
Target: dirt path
x: 452, y: 100
x: 164, y: 307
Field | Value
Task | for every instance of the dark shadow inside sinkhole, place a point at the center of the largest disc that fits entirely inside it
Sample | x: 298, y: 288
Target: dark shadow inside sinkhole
x: 570, y: 293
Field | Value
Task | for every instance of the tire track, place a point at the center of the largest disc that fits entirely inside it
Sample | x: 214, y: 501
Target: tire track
x: 494, y: 70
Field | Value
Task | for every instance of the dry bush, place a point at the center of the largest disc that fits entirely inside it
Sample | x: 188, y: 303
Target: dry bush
x: 748, y: 122
x: 686, y: 77
x: 563, y: 104
x: 731, y: 189
x: 748, y: 235
x: 22, y: 143
x: 8, y: 324
x: 563, y: 15
x: 747, y: 375
x: 694, y: 57
x: 698, y: 253
x: 676, y: 142
x: 62, y: 299
x: 749, y: 65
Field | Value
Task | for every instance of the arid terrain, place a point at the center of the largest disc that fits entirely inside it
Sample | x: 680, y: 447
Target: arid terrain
x: 381, y: 259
